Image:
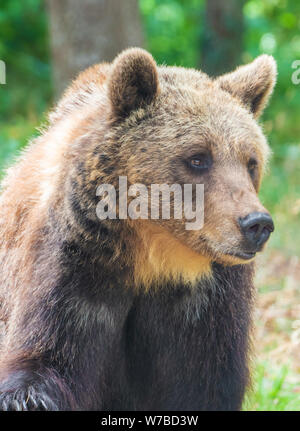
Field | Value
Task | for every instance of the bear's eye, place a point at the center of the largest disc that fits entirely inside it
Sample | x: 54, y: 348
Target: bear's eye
x: 200, y: 162
x: 252, y: 165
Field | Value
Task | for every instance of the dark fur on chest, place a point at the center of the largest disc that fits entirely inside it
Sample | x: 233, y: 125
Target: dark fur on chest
x: 188, y: 349
x: 90, y: 343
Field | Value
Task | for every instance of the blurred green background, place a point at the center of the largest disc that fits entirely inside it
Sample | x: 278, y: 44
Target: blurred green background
x: 174, y: 31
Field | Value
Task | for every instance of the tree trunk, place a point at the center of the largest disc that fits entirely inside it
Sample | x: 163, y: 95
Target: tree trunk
x: 86, y: 32
x: 223, y: 36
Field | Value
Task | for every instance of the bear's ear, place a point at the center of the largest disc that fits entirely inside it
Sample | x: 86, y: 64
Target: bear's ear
x: 253, y: 83
x: 133, y: 82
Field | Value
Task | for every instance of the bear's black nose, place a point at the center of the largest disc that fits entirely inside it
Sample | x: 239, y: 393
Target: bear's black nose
x: 256, y: 228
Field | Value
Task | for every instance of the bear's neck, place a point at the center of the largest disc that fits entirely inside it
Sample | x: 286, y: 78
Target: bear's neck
x: 160, y: 258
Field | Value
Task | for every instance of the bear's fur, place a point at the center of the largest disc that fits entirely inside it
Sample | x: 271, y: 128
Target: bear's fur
x: 132, y: 314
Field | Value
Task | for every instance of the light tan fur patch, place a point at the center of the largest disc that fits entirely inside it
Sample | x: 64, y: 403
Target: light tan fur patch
x: 160, y: 256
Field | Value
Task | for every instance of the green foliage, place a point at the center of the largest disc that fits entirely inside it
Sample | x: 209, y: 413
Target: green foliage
x: 272, y: 390
x: 13, y: 137
x: 173, y: 32
x: 24, y: 49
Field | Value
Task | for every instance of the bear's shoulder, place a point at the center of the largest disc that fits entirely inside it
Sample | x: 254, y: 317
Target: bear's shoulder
x: 85, y: 90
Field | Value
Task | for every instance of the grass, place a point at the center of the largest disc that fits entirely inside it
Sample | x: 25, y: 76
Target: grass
x: 276, y: 376
x: 272, y: 389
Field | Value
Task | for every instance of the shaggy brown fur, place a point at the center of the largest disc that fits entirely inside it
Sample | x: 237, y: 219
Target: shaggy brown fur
x: 96, y: 310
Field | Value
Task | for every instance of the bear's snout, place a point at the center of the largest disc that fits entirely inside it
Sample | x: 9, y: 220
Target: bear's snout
x: 256, y: 228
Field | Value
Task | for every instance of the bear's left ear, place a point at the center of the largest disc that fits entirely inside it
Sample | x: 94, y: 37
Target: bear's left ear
x: 133, y: 82
x: 253, y: 83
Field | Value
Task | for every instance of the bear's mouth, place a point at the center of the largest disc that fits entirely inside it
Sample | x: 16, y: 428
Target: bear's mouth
x: 246, y: 255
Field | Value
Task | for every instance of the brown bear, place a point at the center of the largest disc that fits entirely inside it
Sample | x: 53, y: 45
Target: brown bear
x: 124, y: 313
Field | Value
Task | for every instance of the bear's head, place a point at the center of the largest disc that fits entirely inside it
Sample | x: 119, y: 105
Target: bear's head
x: 177, y: 126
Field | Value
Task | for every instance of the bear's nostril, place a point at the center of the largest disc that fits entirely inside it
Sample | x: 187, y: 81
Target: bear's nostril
x: 256, y: 228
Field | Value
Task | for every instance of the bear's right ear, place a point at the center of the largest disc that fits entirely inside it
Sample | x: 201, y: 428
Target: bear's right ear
x: 252, y: 84
x: 133, y: 82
